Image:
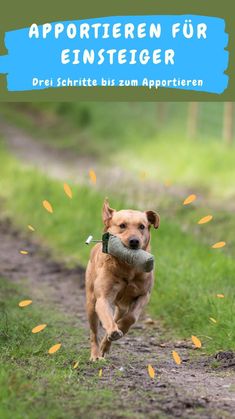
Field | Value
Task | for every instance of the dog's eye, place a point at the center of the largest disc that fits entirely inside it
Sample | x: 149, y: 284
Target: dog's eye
x: 123, y: 225
x: 142, y: 227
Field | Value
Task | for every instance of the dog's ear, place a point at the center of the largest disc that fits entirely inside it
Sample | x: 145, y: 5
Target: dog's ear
x: 153, y: 218
x: 107, y: 212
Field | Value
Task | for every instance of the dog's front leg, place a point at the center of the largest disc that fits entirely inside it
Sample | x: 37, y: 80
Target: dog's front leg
x: 104, y: 310
x: 106, y: 292
x: 106, y: 343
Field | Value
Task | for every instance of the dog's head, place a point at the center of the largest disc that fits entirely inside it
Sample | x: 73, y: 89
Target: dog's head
x: 132, y: 227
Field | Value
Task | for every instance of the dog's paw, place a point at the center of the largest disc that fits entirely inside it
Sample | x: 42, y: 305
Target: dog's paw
x: 115, y: 335
x: 95, y: 358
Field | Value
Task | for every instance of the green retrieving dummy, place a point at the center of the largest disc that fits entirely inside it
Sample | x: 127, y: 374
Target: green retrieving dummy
x: 141, y: 260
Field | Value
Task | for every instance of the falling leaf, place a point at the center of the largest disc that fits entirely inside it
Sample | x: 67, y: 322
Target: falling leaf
x: 92, y: 176
x: 25, y: 303
x: 39, y: 328
x: 196, y: 342
x: 151, y: 371
x: 190, y: 199
x: 149, y: 321
x: 75, y: 365
x: 68, y: 190
x: 143, y: 175
x: 212, y: 320
x: 47, y: 206
x: 218, y: 245
x: 167, y: 183
x: 31, y: 227
x: 24, y: 252
x: 100, y: 373
x: 54, y: 348
x: 205, y: 220
x: 176, y: 357
x: 220, y: 295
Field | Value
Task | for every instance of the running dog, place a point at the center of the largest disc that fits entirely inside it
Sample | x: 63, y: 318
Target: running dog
x: 113, y: 284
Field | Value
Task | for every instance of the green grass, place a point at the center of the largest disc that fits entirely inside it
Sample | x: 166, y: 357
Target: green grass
x: 189, y: 277
x: 35, y: 384
x: 72, y: 220
x: 206, y: 165
x: 189, y: 272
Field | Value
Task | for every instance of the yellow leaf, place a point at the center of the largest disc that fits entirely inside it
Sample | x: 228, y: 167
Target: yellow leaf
x: 92, y: 176
x: 205, y: 220
x: 25, y: 303
x: 167, y: 183
x: 47, y: 206
x: 212, y: 320
x: 151, y: 371
x: 24, y: 252
x: 68, y: 190
x: 54, y: 348
x: 143, y: 175
x: 31, y: 227
x: 218, y: 245
x: 39, y: 328
x: 176, y: 357
x: 100, y: 373
x: 190, y: 199
x: 196, y: 342
x: 220, y: 295
x: 75, y: 365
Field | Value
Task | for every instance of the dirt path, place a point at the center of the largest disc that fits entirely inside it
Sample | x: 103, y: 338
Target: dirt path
x: 192, y: 389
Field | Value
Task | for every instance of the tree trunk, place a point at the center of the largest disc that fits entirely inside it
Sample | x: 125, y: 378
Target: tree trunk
x: 193, y: 112
x: 228, y: 123
x: 162, y: 110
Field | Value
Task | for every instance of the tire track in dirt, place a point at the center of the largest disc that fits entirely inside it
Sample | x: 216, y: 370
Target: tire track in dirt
x: 192, y: 389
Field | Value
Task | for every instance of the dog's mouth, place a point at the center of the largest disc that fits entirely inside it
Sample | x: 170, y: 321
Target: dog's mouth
x: 132, y: 246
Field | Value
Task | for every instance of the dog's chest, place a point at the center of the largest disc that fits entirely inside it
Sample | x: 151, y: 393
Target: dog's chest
x: 131, y: 288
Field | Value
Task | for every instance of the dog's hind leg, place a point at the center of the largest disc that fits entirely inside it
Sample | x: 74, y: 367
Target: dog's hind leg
x: 131, y: 317
x: 94, y: 329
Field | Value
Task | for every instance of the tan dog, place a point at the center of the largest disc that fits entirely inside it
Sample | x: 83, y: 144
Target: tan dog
x: 111, y: 283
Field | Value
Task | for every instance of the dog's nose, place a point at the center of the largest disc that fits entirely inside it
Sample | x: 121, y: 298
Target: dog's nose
x: 134, y: 243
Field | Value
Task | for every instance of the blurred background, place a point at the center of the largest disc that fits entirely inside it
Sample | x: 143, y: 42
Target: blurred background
x: 173, y: 144
x: 140, y: 155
